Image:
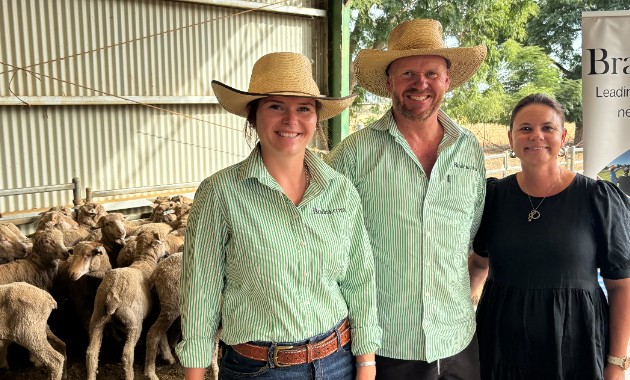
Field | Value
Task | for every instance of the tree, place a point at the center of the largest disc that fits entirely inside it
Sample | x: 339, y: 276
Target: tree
x: 555, y: 29
x: 465, y: 23
x: 523, y: 70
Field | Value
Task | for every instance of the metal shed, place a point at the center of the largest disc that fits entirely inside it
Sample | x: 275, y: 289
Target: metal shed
x: 116, y: 93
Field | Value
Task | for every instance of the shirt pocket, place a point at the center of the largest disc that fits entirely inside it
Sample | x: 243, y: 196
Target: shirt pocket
x: 461, y: 192
x: 335, y: 255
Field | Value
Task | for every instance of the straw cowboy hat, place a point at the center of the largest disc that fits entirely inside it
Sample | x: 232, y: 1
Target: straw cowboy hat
x: 283, y: 74
x: 416, y: 37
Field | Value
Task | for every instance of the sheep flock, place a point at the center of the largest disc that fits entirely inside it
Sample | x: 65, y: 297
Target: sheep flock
x: 99, y: 278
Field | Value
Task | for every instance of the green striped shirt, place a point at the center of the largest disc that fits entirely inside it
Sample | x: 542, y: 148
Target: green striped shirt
x: 420, y: 231
x: 286, y: 273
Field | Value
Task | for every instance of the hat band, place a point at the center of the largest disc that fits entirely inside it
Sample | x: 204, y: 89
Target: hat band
x: 283, y: 92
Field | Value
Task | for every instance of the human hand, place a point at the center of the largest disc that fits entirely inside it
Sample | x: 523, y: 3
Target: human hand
x: 614, y: 372
x: 368, y: 373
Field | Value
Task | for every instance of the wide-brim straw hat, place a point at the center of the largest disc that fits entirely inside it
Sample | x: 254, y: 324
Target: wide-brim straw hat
x: 416, y: 37
x: 280, y: 74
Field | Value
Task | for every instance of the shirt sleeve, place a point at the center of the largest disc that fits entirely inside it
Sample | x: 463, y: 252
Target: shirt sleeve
x: 481, y: 195
x: 202, y: 277
x: 480, y: 242
x: 359, y: 285
x: 611, y: 218
x: 341, y: 159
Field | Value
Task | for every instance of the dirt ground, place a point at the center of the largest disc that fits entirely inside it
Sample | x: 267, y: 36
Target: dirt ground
x: 66, y: 326
x: 106, y: 371
x: 110, y: 368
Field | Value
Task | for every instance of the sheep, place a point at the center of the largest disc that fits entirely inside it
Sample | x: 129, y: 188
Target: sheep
x: 113, y: 235
x: 178, y: 199
x: 160, y: 228
x: 173, y: 242
x: 59, y: 219
x: 165, y: 280
x: 88, y: 258
x: 90, y: 213
x: 127, y: 253
x: 131, y: 226
x: 40, y: 267
x: 124, y: 293
x: 163, y: 212
x: 86, y: 268
x: 72, y: 237
x: 24, y: 312
x: 182, y: 211
x: 13, y: 244
x: 87, y: 219
x: 84, y: 229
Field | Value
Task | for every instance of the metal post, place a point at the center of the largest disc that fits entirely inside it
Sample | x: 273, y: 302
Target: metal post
x: 339, y: 66
x: 76, y: 196
x: 88, y: 194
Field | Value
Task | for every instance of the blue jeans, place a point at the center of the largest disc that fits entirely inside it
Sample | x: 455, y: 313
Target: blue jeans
x: 337, y: 366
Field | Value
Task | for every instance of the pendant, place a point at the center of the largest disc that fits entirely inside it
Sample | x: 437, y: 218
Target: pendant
x: 533, y: 215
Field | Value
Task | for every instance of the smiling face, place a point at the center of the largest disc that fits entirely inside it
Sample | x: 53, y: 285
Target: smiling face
x: 537, y: 134
x: 285, y: 125
x: 417, y: 85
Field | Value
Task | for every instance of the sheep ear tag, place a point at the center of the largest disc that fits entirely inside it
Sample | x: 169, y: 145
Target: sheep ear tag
x: 169, y: 211
x: 100, y: 249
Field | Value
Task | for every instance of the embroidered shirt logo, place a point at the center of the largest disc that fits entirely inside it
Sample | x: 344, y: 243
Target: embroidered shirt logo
x: 328, y: 212
x: 467, y: 167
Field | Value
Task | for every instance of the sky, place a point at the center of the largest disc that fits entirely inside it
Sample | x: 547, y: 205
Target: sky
x: 624, y: 159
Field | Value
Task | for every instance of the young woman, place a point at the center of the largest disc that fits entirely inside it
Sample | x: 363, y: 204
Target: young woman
x: 276, y: 249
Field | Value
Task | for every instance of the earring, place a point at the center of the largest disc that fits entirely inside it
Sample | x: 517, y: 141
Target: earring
x: 562, y: 152
x: 512, y: 154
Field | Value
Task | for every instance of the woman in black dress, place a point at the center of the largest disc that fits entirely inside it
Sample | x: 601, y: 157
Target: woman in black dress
x: 544, y: 234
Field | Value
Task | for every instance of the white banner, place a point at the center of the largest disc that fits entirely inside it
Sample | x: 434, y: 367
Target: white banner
x: 606, y: 96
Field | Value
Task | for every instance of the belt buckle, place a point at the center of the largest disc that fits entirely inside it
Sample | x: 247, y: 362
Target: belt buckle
x: 275, y: 355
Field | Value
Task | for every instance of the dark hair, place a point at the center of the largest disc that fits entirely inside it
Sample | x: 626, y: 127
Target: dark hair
x: 538, y: 99
x: 250, y: 123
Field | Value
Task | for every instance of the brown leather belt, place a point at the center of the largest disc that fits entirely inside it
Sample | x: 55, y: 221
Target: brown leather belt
x: 284, y: 356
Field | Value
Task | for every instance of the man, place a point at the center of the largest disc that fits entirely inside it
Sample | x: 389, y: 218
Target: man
x: 421, y: 178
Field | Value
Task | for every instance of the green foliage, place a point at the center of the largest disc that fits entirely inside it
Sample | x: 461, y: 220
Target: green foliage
x: 559, y: 24
x: 570, y: 96
x: 526, y: 68
x: 465, y: 23
x: 470, y: 106
x: 531, y: 48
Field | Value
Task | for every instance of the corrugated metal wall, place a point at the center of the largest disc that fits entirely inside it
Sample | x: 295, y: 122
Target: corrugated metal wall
x: 129, y: 52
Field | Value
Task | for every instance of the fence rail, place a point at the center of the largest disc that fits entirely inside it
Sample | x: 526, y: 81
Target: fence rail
x: 504, y: 169
x: 570, y: 161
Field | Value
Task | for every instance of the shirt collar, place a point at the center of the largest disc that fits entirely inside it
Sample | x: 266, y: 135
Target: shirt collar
x: 452, y: 131
x: 254, y: 167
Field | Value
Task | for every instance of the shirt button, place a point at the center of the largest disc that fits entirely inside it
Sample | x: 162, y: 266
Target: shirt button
x: 428, y: 234
x: 303, y: 243
x: 305, y: 274
x: 427, y: 293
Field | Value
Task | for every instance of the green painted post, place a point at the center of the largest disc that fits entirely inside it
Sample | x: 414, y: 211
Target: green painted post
x: 339, y: 66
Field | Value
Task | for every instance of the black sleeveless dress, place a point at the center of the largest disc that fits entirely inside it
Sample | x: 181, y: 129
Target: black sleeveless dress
x: 542, y: 314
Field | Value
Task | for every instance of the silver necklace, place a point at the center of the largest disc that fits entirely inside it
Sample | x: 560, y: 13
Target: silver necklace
x: 535, y: 214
